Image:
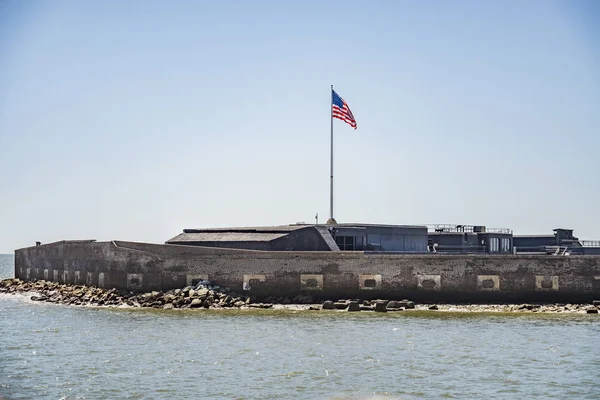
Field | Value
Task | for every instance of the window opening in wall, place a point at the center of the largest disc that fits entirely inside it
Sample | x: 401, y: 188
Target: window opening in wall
x: 345, y: 243
x: 312, y: 283
x: 505, y: 245
x: 494, y: 245
x: 428, y: 284
x: 370, y: 283
x: 487, y: 284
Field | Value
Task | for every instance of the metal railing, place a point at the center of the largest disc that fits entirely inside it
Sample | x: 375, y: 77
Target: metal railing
x: 449, y: 228
x: 590, y: 243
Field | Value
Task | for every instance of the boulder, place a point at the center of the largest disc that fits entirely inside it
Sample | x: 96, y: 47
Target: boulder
x: 340, y: 305
x: 596, y: 303
x: 367, y: 308
x: 380, y: 306
x: 353, y: 306
x: 196, y: 303
x: 392, y: 305
x: 592, y: 310
x: 168, y: 298
x: 406, y: 304
x: 328, y: 305
x: 433, y: 307
x: 168, y: 307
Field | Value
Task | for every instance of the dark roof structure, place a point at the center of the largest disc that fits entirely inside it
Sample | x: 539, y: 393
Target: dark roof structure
x: 271, y: 238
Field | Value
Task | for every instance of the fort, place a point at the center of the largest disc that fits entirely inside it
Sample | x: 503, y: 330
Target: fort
x: 442, y: 263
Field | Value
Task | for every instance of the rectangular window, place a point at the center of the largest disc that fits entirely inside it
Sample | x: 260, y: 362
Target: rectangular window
x: 494, y: 245
x: 345, y: 243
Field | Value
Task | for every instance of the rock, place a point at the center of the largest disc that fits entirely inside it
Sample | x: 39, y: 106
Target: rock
x: 433, y: 307
x: 196, y: 303
x: 178, y: 302
x: 328, y: 305
x: 380, y: 306
x: 205, y: 304
x: 596, y: 303
x: 168, y: 306
x: 202, y: 292
x: 592, y: 310
x: 366, y: 303
x: 340, y: 305
x: 168, y: 298
x: 353, y: 306
x: 406, y: 304
x: 392, y: 305
x: 367, y: 308
x: 261, y: 305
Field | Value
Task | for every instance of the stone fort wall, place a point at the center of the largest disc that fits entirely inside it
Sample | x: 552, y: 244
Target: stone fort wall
x: 420, y: 277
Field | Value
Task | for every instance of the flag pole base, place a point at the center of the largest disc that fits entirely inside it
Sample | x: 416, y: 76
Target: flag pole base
x: 331, y: 221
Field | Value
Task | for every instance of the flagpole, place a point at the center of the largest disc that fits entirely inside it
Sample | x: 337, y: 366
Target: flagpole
x: 331, y: 219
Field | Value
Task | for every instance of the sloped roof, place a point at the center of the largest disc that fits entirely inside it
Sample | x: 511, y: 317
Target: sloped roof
x: 225, y: 237
x: 258, y: 229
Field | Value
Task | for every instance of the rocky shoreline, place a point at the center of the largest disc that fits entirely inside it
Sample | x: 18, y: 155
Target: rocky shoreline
x: 204, y: 295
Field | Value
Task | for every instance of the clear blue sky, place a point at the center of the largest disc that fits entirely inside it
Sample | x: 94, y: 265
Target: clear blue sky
x: 133, y: 120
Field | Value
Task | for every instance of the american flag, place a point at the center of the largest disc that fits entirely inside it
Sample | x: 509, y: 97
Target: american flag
x: 340, y: 110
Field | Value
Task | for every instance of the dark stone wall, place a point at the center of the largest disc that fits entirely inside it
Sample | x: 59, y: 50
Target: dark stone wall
x: 421, y: 277
x: 589, y: 251
x: 307, y: 239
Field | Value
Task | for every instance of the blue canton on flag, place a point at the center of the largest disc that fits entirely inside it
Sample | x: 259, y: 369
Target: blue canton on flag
x: 340, y: 110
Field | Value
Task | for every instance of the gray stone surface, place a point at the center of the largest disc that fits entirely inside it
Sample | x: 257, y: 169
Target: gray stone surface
x: 164, y: 267
x: 381, y: 306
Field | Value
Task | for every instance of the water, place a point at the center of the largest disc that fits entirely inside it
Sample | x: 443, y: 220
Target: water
x: 53, y: 351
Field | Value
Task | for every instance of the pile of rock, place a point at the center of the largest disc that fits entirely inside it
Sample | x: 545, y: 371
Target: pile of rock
x: 202, y: 295
x: 369, y: 305
x: 206, y: 295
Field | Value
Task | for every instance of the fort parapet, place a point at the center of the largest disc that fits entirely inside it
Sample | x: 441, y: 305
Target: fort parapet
x: 322, y: 274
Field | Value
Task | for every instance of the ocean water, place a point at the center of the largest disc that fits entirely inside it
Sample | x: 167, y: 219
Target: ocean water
x: 64, y: 352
